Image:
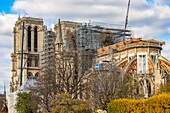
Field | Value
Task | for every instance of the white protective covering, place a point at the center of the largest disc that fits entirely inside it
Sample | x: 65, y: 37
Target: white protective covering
x: 12, y: 97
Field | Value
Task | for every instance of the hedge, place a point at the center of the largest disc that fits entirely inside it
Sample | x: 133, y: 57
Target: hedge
x: 155, y: 104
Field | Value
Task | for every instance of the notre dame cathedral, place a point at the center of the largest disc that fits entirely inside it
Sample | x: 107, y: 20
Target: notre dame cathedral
x: 36, y: 38
x: 33, y: 44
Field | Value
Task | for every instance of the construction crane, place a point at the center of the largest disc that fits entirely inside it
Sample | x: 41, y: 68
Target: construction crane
x: 126, y: 20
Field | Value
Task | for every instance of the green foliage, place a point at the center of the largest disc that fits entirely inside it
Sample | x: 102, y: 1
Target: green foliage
x: 155, y: 104
x: 23, y: 103
x: 65, y: 104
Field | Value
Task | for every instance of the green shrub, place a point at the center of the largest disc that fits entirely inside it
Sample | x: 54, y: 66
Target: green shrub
x: 23, y: 101
x: 155, y: 104
x: 65, y: 104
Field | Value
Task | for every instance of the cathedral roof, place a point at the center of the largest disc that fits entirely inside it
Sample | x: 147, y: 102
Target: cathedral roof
x: 128, y: 42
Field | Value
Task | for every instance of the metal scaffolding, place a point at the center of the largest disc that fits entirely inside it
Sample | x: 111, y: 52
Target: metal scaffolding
x: 48, y: 52
x: 93, y: 36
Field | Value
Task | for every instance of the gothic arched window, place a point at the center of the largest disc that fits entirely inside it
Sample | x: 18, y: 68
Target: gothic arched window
x: 29, y: 61
x: 30, y: 75
x: 71, y: 40
x: 36, y: 60
x: 148, y: 84
x: 35, y: 39
x: 29, y: 38
x: 37, y: 75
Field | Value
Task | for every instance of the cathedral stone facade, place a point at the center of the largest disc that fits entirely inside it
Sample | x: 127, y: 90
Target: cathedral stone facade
x: 139, y: 58
x: 32, y: 48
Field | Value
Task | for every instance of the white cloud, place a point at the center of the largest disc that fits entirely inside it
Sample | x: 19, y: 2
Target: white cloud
x: 109, y: 11
x: 5, y: 53
x: 166, y: 50
x: 7, y: 22
x: 5, y: 76
x: 5, y: 40
x: 71, y: 9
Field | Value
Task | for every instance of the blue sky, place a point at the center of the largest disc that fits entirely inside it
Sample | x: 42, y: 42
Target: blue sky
x: 5, y: 5
x: 150, y: 1
x: 147, y: 19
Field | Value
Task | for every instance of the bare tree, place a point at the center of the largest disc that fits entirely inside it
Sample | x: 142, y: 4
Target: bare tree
x: 109, y: 84
x: 61, y: 74
x: 105, y: 86
x: 45, y: 87
x: 129, y: 88
x: 3, y: 105
x: 70, y: 78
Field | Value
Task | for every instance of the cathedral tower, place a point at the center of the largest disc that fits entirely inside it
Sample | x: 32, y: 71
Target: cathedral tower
x: 32, y: 47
